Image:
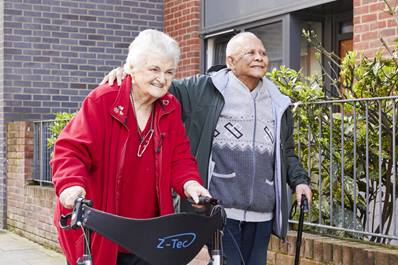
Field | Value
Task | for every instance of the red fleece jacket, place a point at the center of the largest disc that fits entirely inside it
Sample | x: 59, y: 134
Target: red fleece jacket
x: 90, y: 152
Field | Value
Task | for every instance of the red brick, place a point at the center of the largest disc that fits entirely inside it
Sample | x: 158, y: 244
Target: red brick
x: 347, y: 255
x: 271, y: 258
x: 360, y: 28
x: 392, y: 23
x: 374, y: 44
x: 309, y: 247
x: 356, y: 2
x: 368, y: 18
x: 309, y: 262
x: 318, y: 250
x: 274, y: 243
x: 369, y: 257
x: 284, y: 259
x: 369, y: 36
x: 381, y: 24
x: 291, y: 245
x: 384, y: 15
x: 327, y: 251
x: 393, y: 258
x: 361, y: 46
x: 378, y: 7
x: 337, y: 254
x: 359, y: 10
x: 388, y: 32
x: 283, y: 247
x: 181, y: 18
x: 372, y: 26
x: 381, y: 258
x: 358, y: 256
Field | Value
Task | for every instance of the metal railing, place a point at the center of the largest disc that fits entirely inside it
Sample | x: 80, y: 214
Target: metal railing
x: 349, y: 148
x: 41, y: 153
x: 350, y: 151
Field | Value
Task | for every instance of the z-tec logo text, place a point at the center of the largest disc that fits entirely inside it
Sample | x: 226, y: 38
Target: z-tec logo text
x: 178, y: 241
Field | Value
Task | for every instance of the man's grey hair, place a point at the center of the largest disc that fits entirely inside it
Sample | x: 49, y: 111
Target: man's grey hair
x: 151, y: 41
x: 234, y: 45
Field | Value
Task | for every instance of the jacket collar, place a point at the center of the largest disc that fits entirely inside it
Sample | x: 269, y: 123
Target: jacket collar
x: 281, y: 101
x: 121, y: 105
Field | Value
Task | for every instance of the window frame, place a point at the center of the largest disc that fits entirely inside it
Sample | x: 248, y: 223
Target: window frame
x: 290, y: 39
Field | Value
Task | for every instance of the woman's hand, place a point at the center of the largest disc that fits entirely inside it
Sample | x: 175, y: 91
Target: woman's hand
x: 69, y: 195
x: 117, y: 73
x: 193, y: 190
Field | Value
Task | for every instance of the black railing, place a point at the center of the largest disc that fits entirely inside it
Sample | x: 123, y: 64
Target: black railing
x: 41, y: 153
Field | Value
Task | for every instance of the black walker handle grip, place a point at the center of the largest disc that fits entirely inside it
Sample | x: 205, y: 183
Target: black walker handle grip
x: 76, y: 215
x: 205, y: 200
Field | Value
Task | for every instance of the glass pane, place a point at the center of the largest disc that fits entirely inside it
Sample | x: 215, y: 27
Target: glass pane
x: 345, y: 46
x: 219, y: 52
x: 346, y: 27
x: 216, y: 50
x: 271, y: 35
x: 309, y: 61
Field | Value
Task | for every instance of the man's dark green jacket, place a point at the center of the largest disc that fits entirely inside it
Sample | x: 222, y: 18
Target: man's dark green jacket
x: 202, y: 101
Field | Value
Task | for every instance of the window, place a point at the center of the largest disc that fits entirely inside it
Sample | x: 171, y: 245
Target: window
x: 344, y: 37
x: 309, y: 62
x: 216, y: 47
x: 271, y: 35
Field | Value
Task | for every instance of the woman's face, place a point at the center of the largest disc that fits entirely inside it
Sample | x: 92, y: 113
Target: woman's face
x: 152, y: 78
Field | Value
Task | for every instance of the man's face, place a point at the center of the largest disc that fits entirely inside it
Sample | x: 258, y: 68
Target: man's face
x: 251, y: 60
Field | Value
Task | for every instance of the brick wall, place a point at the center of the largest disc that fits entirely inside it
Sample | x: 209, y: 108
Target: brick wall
x: 372, y: 22
x: 57, y: 50
x: 30, y: 207
x: 322, y: 250
x: 182, y: 22
x: 3, y: 204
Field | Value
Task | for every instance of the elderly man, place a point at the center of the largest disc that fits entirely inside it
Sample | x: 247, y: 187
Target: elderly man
x: 241, y: 132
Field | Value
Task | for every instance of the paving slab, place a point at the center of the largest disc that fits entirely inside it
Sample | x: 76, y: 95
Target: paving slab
x: 17, y: 250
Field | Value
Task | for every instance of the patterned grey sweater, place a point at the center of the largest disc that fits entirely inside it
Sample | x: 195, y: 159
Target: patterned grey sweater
x: 241, y: 165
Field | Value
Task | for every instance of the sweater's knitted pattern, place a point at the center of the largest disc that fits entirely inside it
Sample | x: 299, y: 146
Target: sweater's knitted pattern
x: 242, y: 161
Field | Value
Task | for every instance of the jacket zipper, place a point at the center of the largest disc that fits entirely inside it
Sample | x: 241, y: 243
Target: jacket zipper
x: 253, y: 154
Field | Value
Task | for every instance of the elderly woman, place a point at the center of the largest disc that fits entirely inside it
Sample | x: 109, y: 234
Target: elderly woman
x: 126, y: 149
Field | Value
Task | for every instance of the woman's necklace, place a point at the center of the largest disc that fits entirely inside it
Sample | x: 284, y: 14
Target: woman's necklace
x: 144, y: 139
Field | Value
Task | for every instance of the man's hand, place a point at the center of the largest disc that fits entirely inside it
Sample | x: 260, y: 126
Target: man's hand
x: 303, y: 189
x: 117, y: 73
x: 69, y: 195
x: 193, y: 190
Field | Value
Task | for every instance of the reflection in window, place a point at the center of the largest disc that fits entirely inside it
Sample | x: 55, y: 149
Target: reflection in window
x: 216, y: 50
x: 309, y: 61
x: 271, y: 35
x: 220, y: 45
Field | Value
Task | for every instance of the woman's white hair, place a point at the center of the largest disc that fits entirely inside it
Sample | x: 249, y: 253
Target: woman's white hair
x: 151, y: 41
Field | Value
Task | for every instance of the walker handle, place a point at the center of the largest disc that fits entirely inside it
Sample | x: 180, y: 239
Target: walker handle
x: 205, y: 200
x: 76, y: 215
